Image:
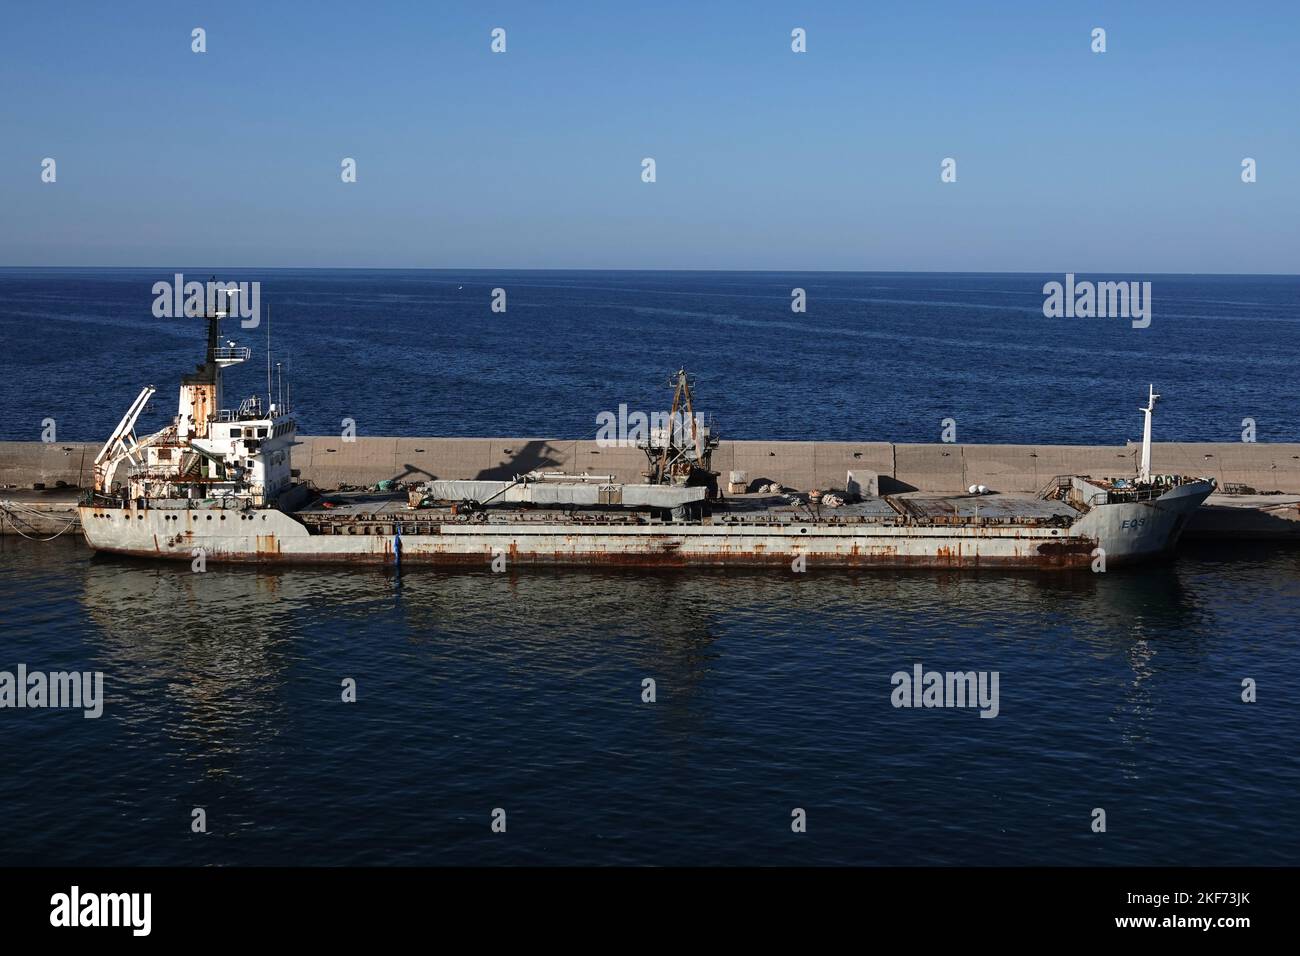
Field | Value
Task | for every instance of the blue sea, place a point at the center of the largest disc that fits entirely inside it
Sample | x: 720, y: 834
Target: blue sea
x: 520, y: 696
x: 876, y: 356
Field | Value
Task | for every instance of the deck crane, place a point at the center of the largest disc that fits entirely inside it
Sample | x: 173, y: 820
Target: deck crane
x: 679, y: 449
x: 122, y: 444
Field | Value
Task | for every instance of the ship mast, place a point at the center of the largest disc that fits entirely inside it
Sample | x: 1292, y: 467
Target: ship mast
x: 201, y: 392
x: 1144, y: 472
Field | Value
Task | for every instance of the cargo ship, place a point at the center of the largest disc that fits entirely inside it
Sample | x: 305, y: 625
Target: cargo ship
x: 217, y: 482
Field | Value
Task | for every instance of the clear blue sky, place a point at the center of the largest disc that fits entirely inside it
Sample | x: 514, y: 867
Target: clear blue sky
x: 1127, y: 161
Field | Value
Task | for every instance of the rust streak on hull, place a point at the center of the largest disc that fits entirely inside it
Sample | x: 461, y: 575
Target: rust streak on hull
x: 1062, y: 560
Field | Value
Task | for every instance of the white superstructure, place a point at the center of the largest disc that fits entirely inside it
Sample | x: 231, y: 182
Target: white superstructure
x: 208, y: 451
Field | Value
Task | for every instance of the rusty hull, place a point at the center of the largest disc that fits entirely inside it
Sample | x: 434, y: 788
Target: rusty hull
x: 272, y: 537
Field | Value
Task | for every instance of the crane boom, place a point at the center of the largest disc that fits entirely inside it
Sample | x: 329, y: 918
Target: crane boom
x: 117, y: 447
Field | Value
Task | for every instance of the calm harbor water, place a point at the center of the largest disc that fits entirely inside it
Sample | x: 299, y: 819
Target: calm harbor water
x: 522, y: 691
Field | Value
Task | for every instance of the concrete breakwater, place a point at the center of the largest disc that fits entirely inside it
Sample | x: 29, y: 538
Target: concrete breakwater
x: 1021, y: 469
x: 329, y: 462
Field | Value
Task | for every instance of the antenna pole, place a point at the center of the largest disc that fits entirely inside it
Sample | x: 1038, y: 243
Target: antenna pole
x: 268, y: 353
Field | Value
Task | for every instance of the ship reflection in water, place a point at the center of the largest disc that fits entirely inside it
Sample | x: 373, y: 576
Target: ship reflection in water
x: 524, y: 691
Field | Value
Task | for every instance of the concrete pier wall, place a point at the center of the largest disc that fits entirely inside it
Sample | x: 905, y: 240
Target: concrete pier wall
x: 23, y: 463
x: 803, y: 465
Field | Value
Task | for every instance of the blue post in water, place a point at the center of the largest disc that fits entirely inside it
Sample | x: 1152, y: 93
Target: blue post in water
x: 397, y: 546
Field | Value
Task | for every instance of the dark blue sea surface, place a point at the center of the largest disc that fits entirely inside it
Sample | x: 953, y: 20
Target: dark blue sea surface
x: 478, y: 691
x: 877, y: 356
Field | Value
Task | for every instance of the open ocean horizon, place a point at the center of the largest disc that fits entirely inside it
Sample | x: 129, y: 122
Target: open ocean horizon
x: 876, y: 356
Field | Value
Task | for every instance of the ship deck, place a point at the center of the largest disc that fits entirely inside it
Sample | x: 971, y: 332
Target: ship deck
x: 339, y: 509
